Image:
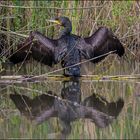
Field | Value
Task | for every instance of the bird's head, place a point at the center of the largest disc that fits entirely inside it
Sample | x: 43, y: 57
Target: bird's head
x: 63, y: 21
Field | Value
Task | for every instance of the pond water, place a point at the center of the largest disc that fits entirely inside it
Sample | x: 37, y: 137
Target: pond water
x: 71, y: 109
x: 75, y: 109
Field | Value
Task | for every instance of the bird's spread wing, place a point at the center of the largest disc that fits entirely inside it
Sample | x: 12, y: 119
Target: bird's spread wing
x: 46, y: 42
x: 100, y: 44
x: 22, y: 52
x: 41, y: 47
x: 19, y: 56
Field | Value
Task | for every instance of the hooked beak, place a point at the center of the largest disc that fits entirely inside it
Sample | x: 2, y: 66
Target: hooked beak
x: 55, y: 21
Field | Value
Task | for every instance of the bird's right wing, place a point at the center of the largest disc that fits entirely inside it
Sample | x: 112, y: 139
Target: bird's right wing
x: 22, y: 53
x: 41, y: 47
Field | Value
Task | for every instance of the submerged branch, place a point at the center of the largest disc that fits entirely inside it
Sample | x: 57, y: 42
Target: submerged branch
x: 31, y: 78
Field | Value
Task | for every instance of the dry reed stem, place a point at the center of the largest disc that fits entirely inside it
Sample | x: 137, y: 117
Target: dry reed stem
x: 56, y: 8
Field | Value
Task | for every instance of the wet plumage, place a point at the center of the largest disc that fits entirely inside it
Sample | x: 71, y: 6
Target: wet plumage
x: 70, y: 49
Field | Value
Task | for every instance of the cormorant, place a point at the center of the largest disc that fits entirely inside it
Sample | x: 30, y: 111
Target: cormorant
x: 70, y: 49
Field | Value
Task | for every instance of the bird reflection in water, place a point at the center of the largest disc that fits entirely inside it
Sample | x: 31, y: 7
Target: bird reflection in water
x: 69, y: 107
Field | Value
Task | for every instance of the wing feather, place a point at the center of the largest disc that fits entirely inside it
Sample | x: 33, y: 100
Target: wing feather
x: 41, y: 47
x: 101, y: 42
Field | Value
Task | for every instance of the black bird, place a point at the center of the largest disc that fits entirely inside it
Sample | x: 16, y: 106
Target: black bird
x: 70, y: 49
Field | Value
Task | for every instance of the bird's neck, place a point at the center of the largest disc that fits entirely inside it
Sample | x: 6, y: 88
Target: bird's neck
x: 66, y: 31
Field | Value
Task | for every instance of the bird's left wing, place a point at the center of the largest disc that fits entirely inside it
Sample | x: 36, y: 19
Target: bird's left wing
x: 100, y: 44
